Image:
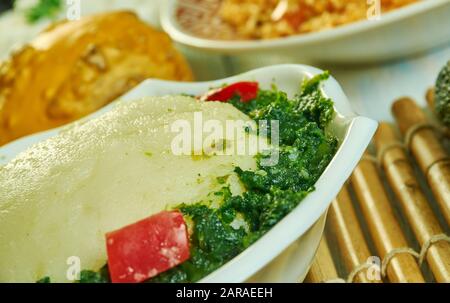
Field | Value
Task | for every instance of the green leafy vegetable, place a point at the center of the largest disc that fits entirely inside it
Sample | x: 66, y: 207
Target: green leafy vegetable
x: 313, y: 104
x: 87, y: 276
x: 442, y: 93
x: 44, y: 280
x: 43, y: 9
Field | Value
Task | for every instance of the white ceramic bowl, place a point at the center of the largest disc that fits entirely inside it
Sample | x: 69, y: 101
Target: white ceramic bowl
x: 288, y: 247
x: 406, y: 31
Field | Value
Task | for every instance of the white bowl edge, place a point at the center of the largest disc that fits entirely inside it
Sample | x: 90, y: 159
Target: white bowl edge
x: 171, y: 26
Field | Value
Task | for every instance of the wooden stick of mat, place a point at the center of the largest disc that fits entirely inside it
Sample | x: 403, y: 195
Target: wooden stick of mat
x: 383, y: 226
x: 323, y: 268
x: 401, y: 177
x: 430, y: 98
x: 424, y: 144
x: 345, y: 227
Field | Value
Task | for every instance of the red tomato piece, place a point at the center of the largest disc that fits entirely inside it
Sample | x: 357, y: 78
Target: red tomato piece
x: 246, y: 90
x: 147, y: 248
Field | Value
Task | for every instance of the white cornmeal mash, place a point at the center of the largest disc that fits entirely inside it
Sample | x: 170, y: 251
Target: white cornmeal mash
x: 60, y: 197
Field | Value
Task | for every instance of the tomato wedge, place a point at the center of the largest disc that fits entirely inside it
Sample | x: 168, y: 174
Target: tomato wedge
x: 144, y: 249
x: 246, y: 90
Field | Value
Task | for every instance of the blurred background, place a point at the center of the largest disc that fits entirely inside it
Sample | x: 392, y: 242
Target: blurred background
x: 371, y: 87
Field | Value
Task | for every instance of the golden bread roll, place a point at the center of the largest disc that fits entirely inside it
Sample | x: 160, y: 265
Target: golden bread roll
x: 76, y: 67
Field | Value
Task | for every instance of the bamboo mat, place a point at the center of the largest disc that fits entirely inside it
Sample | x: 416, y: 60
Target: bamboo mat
x: 391, y: 221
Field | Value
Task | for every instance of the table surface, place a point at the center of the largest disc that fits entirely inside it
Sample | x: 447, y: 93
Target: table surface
x: 370, y: 89
x: 373, y: 89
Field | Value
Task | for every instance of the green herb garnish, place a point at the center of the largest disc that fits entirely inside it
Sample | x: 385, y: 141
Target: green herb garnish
x: 87, y: 276
x: 44, y: 280
x: 43, y: 9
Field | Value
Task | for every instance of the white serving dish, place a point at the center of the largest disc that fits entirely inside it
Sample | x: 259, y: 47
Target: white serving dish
x: 403, y: 32
x: 285, y: 253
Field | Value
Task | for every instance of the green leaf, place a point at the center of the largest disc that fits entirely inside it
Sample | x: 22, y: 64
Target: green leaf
x: 44, y: 280
x: 43, y: 9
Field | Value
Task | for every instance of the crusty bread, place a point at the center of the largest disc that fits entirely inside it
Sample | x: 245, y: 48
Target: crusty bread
x: 75, y: 67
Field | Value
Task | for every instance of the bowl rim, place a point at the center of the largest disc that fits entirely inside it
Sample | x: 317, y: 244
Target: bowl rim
x: 170, y: 25
x: 359, y: 131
